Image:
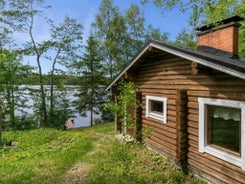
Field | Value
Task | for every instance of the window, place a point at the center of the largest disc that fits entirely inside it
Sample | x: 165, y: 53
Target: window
x: 222, y: 129
x: 156, y: 107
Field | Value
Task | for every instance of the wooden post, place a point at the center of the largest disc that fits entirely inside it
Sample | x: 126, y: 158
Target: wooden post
x: 138, y: 117
x: 1, y: 127
x: 118, y: 123
x: 181, y: 127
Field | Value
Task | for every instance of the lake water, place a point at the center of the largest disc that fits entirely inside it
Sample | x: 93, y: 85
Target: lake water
x: 79, y: 121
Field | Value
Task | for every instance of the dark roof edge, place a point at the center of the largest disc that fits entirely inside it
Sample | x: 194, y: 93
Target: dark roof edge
x: 133, y: 60
x: 226, y: 67
x: 234, y: 18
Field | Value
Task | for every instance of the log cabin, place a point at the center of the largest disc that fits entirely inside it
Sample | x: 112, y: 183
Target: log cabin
x: 194, y: 101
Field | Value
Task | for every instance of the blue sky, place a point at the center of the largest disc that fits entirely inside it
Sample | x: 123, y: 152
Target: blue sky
x: 85, y: 11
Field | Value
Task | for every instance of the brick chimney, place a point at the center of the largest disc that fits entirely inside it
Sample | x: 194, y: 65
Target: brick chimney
x: 220, y: 38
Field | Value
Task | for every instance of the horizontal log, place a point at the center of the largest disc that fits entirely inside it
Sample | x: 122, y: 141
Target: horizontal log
x: 192, y: 150
x: 193, y: 146
x: 193, y: 124
x: 161, y: 134
x: 193, y: 111
x: 164, y: 137
x: 209, y: 173
x: 160, y: 75
x: 218, y: 94
x: 161, y: 126
x: 192, y: 117
x: 193, y: 105
x: 160, y: 147
x: 192, y: 131
x: 193, y: 137
x: 150, y: 91
x: 167, y: 62
x: 215, y: 165
x: 210, y: 82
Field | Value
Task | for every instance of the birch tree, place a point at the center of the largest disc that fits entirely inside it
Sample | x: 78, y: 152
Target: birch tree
x: 60, y: 46
x: 110, y: 30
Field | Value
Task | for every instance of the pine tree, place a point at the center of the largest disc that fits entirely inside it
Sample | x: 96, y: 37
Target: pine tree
x: 91, y: 92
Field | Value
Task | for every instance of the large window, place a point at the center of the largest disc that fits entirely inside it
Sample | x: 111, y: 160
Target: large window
x: 222, y: 129
x: 156, y: 107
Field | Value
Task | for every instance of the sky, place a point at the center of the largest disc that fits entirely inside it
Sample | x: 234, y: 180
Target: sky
x: 85, y: 11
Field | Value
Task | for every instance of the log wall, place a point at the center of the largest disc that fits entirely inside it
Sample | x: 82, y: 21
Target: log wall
x: 171, y: 77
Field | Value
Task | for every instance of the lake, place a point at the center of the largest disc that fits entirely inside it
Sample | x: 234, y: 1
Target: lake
x: 79, y: 121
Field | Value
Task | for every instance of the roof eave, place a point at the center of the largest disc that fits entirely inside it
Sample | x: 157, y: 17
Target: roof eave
x: 129, y: 66
x: 182, y: 55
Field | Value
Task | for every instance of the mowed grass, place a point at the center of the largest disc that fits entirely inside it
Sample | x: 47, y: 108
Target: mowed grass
x: 89, y: 155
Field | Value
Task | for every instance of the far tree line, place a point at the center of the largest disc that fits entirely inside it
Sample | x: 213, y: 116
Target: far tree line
x: 115, y: 37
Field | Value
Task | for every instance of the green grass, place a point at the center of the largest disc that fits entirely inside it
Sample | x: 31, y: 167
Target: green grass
x: 50, y: 156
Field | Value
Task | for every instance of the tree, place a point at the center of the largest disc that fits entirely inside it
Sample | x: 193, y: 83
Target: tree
x: 126, y: 101
x: 20, y: 16
x: 241, y: 11
x: 155, y: 34
x: 135, y: 32
x: 91, y: 94
x: 186, y: 38
x: 138, y: 32
x: 63, y: 42
x: 203, y: 12
x: 110, y: 30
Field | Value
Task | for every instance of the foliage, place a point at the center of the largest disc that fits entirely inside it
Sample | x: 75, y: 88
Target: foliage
x: 201, y: 13
x: 91, y: 93
x: 60, y: 47
x: 135, y: 32
x: 126, y: 101
x: 65, y: 42
x: 110, y: 29
x: 46, y: 156
x: 11, y: 95
x: 186, y: 39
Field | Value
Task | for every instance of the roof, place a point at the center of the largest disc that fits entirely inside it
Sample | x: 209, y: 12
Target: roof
x: 234, y: 67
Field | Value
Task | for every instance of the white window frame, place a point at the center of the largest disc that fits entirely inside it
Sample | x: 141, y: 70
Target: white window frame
x: 204, y: 147
x: 163, y: 116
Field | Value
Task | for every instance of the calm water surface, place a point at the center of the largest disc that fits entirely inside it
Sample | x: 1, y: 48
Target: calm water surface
x: 79, y: 121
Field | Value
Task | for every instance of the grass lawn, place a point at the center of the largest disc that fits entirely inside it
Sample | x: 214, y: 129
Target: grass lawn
x: 89, y: 155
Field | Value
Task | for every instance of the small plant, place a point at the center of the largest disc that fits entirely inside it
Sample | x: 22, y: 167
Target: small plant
x: 7, y: 141
x: 126, y: 101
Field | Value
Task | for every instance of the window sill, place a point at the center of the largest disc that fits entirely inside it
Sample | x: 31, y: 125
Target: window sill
x: 157, y: 116
x: 235, y: 160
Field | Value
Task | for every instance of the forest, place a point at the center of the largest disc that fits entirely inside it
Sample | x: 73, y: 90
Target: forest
x: 114, y: 39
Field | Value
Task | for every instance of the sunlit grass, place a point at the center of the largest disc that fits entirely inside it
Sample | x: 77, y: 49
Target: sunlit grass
x: 41, y: 154
x: 47, y: 156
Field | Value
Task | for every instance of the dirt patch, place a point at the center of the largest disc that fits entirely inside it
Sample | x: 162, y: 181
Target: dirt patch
x: 78, y: 173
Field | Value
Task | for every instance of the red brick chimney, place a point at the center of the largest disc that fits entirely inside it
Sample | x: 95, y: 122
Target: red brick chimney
x: 220, y: 38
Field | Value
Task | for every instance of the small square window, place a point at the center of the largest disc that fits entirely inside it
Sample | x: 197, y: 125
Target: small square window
x: 156, y: 107
x: 222, y: 129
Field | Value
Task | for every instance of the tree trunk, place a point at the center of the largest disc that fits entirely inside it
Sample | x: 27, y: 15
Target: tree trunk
x: 52, y: 93
x: 12, y: 107
x: 1, y: 129
x: 44, y: 116
x: 43, y: 113
x: 91, y: 116
x: 52, y: 84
